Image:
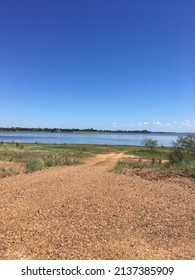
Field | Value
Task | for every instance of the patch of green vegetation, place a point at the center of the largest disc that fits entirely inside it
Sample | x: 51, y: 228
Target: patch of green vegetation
x: 38, y: 163
x: 145, y: 153
x: 77, y: 151
x: 34, y: 164
x: 186, y: 166
x: 39, y: 156
x: 123, y: 165
x: 150, y: 143
x: 180, y: 158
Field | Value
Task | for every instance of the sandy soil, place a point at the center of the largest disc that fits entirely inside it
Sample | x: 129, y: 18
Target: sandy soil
x: 86, y: 212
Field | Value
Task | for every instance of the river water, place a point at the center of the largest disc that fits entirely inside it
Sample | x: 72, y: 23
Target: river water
x: 164, y: 139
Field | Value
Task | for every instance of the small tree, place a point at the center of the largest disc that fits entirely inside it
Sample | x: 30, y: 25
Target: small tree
x: 176, y: 156
x: 187, y: 142
x: 150, y: 143
x: 183, y: 149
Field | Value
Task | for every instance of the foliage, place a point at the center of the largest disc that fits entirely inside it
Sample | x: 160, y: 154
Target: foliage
x: 187, y: 142
x: 182, y: 156
x: 39, y: 156
x: 179, y: 159
x: 150, y: 143
x: 34, y: 164
x: 183, y: 150
x: 176, y: 156
x: 123, y: 165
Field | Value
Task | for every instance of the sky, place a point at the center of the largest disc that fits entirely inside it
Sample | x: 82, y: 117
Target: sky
x: 102, y: 64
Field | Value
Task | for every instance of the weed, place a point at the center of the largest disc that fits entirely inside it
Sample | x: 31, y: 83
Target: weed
x: 122, y: 165
x: 34, y: 164
x: 8, y: 171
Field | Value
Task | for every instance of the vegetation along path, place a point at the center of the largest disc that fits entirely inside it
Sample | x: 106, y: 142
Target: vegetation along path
x: 87, y: 212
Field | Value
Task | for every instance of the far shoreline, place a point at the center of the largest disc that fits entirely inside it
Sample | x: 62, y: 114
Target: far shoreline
x: 85, y: 131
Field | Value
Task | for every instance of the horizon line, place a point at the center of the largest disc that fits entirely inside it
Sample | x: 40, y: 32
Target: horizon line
x: 57, y: 129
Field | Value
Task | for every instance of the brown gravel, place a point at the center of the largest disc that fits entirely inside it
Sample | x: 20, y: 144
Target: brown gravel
x: 85, y: 212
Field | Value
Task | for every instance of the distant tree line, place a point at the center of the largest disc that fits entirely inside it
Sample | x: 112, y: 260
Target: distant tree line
x: 87, y: 130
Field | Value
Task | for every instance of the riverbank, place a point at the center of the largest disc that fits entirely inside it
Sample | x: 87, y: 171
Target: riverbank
x: 39, y: 156
x: 88, y: 130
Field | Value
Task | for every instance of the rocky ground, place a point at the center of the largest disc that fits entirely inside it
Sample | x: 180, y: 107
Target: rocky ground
x: 87, y: 212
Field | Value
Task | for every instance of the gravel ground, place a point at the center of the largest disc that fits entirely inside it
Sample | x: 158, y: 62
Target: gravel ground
x: 86, y: 212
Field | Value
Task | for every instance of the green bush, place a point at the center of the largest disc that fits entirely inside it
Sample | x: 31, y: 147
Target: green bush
x: 187, y: 142
x: 17, y: 144
x: 176, y: 156
x: 34, y: 164
x: 182, y: 156
x: 150, y: 143
x: 189, y: 168
x: 50, y: 162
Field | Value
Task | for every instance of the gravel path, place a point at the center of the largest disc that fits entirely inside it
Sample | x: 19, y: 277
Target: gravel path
x: 86, y: 212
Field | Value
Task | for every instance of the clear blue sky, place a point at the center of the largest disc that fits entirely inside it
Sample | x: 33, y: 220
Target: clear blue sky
x: 106, y: 64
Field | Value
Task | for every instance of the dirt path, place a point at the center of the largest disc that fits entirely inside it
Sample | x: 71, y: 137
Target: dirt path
x: 86, y: 212
x: 107, y: 160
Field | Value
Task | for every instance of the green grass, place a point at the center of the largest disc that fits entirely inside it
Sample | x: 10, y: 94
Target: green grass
x: 38, y: 163
x: 146, y: 153
x: 39, y: 156
x: 122, y: 165
x: 186, y: 167
x: 153, y: 160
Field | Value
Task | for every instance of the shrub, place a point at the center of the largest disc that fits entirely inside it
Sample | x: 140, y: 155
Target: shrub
x: 34, y: 164
x: 187, y: 142
x: 50, y: 162
x: 176, y: 156
x: 189, y: 168
x: 182, y: 155
x: 183, y: 150
x: 150, y: 143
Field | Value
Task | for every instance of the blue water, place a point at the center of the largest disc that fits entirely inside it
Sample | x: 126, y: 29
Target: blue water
x: 165, y: 140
